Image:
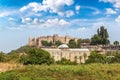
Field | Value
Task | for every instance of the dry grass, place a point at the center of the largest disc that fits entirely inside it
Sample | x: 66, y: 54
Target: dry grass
x: 9, y: 66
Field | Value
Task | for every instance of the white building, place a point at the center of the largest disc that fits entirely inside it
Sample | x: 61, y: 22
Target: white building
x: 72, y: 54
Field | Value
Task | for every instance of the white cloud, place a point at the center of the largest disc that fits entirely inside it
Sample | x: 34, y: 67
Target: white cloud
x: 56, y: 6
x: 24, y: 8
x: 11, y: 19
x: 35, y: 21
x: 118, y: 19
x: 62, y: 22
x: 34, y: 6
x: 55, y: 23
x: 8, y: 12
x: 4, y: 14
x: 116, y: 3
x: 53, y: 6
x: 77, y: 8
x: 69, y: 13
x: 110, y: 11
x: 40, y: 23
x: 26, y: 20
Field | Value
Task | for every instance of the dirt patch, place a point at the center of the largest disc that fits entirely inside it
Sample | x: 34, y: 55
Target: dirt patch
x: 9, y: 66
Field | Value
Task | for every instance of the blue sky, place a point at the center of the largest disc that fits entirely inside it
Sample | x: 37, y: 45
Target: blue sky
x: 21, y: 19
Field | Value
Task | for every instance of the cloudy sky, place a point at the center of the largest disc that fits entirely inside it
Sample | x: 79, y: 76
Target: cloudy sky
x: 20, y: 19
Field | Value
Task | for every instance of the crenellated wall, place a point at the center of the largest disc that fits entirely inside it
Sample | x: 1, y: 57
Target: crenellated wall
x: 53, y: 39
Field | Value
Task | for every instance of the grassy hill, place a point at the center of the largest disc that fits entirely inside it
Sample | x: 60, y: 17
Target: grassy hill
x: 13, y: 56
x: 65, y: 72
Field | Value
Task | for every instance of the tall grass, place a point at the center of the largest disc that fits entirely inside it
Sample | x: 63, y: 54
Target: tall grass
x: 69, y: 72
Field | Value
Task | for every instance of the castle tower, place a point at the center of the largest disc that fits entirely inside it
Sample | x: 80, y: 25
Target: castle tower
x: 32, y: 41
x: 38, y: 42
x: 67, y: 38
x: 55, y: 38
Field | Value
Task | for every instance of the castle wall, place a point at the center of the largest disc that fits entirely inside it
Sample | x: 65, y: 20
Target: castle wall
x: 67, y: 39
x: 32, y: 41
x: 62, y: 39
x: 49, y: 38
x: 54, y: 38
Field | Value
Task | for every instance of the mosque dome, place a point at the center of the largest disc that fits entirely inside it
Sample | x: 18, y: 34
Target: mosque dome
x: 63, y: 46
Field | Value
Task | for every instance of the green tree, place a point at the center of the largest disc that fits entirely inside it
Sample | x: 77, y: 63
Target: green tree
x: 14, y: 55
x: 75, y: 59
x: 39, y: 56
x: 79, y: 42
x: 80, y: 57
x: 116, y: 43
x: 104, y: 35
x: 2, y: 57
x: 22, y: 58
x: 85, y: 56
x: 95, y: 40
x: 50, y: 43
x: 101, y: 37
x: 95, y: 57
x: 86, y: 41
x: 116, y: 58
x: 57, y: 43
x: 65, y: 61
x: 72, y: 43
x: 44, y: 43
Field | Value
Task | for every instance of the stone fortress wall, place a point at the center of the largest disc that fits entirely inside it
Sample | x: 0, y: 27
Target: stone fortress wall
x: 53, y: 39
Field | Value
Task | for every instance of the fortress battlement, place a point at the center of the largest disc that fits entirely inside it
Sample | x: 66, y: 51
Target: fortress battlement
x: 53, y: 39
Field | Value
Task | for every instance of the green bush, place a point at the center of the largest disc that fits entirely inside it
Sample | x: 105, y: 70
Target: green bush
x: 9, y: 76
x: 2, y: 57
x: 116, y: 58
x: 37, y: 56
x: 95, y: 57
x: 66, y: 62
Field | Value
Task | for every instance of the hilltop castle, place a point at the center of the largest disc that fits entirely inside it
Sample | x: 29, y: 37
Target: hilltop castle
x: 53, y: 39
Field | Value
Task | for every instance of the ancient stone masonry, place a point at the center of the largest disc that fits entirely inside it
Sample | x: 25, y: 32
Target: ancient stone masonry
x: 53, y: 39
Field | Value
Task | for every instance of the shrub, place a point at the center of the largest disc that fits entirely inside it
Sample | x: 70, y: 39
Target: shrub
x: 66, y: 62
x: 2, y: 57
x: 37, y: 56
x: 9, y: 76
x: 95, y: 57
